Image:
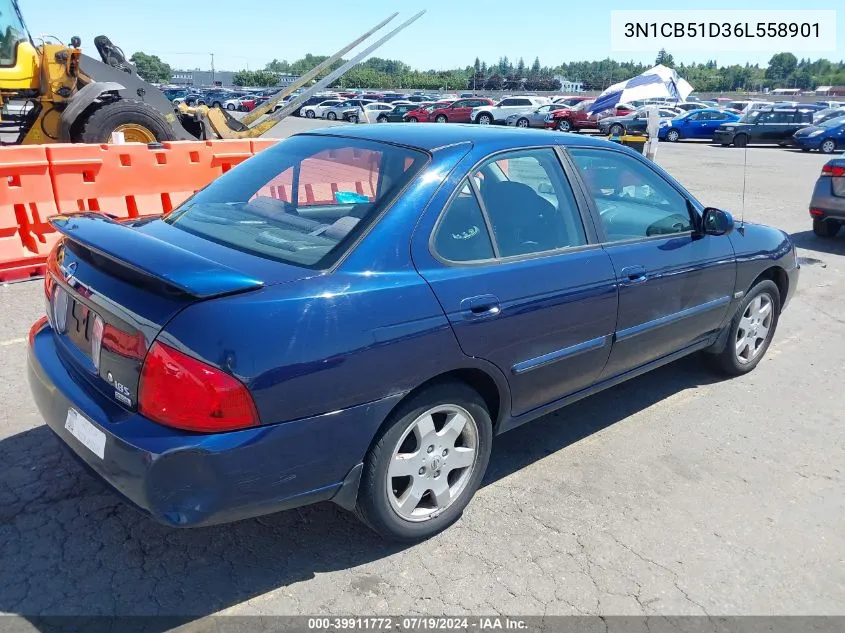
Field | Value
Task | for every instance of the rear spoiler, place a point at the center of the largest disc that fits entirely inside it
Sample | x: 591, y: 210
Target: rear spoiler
x: 191, y: 273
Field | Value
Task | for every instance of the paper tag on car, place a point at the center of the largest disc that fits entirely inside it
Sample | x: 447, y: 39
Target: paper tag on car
x: 90, y: 436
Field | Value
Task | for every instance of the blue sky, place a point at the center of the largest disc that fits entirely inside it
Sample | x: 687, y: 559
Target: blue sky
x: 451, y: 34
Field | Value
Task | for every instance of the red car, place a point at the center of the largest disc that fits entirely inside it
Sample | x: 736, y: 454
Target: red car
x: 578, y: 118
x: 459, y: 111
x: 423, y: 113
x: 571, y: 101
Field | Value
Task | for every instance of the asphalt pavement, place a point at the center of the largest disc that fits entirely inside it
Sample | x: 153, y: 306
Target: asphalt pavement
x: 678, y: 493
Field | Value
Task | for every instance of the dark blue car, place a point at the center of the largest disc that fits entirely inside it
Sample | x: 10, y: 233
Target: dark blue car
x: 826, y: 137
x: 694, y: 124
x: 353, y: 314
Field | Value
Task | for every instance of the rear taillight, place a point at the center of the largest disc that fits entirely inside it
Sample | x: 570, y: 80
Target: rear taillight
x: 183, y: 392
x: 36, y: 328
x: 816, y: 212
x: 127, y: 345
x: 833, y: 170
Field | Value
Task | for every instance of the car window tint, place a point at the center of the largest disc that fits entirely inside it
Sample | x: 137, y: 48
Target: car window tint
x: 507, y: 102
x: 462, y: 235
x: 695, y: 116
x: 529, y: 203
x: 633, y: 201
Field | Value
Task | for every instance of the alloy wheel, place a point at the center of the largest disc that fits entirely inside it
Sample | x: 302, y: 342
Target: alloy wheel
x: 754, y: 326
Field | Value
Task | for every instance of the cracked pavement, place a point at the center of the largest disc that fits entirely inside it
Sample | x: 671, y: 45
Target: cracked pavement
x: 678, y: 493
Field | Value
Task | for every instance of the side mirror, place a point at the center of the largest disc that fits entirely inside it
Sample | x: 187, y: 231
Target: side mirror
x: 717, y: 222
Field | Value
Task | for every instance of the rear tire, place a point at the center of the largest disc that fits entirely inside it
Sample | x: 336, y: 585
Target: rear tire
x: 523, y: 122
x: 746, y: 344
x: 310, y: 114
x: 484, y: 119
x: 99, y: 124
x: 230, y: 106
x: 740, y: 140
x: 826, y: 228
x: 616, y: 130
x: 380, y: 492
x: 441, y: 118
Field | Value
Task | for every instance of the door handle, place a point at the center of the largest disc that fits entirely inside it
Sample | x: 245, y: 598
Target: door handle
x: 480, y: 307
x: 633, y: 275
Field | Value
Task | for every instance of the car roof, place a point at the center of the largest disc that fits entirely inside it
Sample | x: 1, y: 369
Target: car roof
x: 432, y: 137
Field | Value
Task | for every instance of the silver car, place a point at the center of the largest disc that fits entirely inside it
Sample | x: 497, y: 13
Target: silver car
x: 335, y: 113
x: 535, y: 118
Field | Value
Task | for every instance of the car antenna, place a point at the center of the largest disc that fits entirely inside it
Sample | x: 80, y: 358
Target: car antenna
x: 744, y: 172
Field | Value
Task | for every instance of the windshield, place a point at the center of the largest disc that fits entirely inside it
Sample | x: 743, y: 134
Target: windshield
x: 833, y: 122
x: 12, y: 32
x: 302, y: 202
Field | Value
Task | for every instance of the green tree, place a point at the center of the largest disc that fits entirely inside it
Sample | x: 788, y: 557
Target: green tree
x: 535, y: 68
x: 520, y: 68
x: 781, y: 66
x: 255, y: 78
x: 494, y: 82
x: 277, y: 66
x: 665, y: 58
x: 151, y: 68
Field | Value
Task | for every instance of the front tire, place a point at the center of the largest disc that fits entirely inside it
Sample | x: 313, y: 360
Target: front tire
x: 673, y: 136
x: 826, y: 228
x: 426, y: 463
x: 740, y: 140
x: 413, y: 119
x: 750, y: 331
x: 441, y: 118
x: 230, y: 106
x: 616, y: 130
x: 522, y: 123
x: 484, y: 119
x: 331, y: 116
x: 828, y: 146
x: 139, y: 122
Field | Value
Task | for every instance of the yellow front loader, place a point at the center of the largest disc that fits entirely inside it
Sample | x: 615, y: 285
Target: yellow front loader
x: 50, y: 92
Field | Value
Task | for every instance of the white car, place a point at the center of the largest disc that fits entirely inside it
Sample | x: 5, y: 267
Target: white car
x: 233, y: 104
x: 371, y: 112
x: 499, y: 113
x: 316, y: 111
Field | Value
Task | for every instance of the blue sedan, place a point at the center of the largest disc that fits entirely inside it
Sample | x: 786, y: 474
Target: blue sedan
x: 826, y: 137
x: 354, y: 314
x: 695, y: 124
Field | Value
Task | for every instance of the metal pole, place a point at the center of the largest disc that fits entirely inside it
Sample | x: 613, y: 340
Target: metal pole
x: 212, y: 69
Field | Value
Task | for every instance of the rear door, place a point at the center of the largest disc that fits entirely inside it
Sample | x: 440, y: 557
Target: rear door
x: 459, y: 111
x: 675, y: 286
x: 522, y: 285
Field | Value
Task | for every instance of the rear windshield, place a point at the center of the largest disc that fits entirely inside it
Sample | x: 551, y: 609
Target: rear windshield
x: 302, y: 202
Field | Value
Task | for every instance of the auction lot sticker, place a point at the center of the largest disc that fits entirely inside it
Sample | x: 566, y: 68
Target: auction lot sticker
x: 723, y: 30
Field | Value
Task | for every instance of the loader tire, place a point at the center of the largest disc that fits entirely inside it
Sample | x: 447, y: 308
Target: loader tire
x: 139, y: 122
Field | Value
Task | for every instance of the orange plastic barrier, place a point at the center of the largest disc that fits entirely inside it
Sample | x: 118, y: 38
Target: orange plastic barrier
x: 26, y: 200
x: 125, y: 181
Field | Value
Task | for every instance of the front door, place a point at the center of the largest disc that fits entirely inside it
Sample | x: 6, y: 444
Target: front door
x: 675, y: 285
x: 509, y: 261
x: 459, y: 112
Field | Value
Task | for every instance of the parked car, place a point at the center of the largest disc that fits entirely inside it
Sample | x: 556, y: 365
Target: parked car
x: 466, y: 95
x: 216, y: 98
x: 397, y: 114
x: 373, y: 110
x: 239, y: 103
x: 634, y: 123
x: 316, y: 110
x: 535, y: 118
x: 570, y: 101
x: 695, y: 124
x: 421, y: 114
x: 498, y: 113
x: 576, y: 118
x: 310, y: 101
x: 246, y: 354
x: 825, y: 115
x: 336, y: 111
x: 827, y: 206
x: 776, y: 125
x: 459, y: 111
x: 175, y: 93
x: 826, y: 137
x: 689, y: 105
x: 393, y: 97
x: 421, y: 99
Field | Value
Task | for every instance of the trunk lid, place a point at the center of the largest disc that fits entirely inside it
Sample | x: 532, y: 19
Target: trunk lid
x: 112, y: 287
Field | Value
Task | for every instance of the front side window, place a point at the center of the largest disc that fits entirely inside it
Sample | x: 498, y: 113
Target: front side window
x: 302, y: 202
x: 633, y: 201
x: 12, y: 32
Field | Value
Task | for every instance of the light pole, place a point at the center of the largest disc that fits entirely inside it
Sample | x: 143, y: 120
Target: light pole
x: 212, y: 69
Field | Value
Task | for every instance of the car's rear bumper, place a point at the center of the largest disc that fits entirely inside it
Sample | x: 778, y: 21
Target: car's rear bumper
x: 189, y: 479
x: 824, y: 205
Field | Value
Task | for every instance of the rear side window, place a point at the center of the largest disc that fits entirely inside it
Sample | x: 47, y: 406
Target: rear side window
x: 302, y: 202
x: 462, y: 234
